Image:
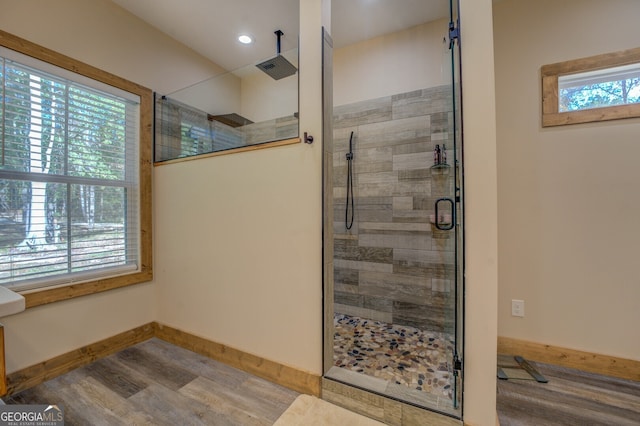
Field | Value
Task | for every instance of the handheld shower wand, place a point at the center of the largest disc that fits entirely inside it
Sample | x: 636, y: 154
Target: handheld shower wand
x: 349, y: 221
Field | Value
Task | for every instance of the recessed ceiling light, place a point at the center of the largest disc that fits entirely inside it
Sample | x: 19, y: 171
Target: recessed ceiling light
x: 245, y: 39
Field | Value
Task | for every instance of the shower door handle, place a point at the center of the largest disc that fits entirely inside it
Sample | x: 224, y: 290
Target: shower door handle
x: 441, y: 225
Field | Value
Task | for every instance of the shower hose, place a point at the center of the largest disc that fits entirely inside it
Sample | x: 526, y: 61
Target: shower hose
x: 349, y: 221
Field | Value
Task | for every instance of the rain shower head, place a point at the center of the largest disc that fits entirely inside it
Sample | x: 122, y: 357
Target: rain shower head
x: 277, y: 67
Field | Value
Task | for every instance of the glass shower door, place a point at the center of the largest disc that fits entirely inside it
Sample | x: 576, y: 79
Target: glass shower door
x: 393, y: 225
x: 458, y: 198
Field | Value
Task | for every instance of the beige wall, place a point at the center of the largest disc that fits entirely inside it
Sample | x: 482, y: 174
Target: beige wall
x: 103, y: 35
x: 238, y: 238
x: 263, y: 98
x: 481, y: 213
x: 217, y: 95
x: 360, y: 67
x: 568, y: 205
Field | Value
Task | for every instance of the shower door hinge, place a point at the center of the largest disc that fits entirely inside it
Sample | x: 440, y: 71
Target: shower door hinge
x: 454, y: 33
x: 457, y: 363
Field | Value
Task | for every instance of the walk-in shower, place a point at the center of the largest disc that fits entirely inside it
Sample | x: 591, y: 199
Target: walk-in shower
x: 393, y: 211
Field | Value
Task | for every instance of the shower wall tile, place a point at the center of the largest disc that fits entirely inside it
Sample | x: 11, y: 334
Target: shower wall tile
x: 416, y: 94
x: 370, y: 111
x: 422, y: 103
x: 382, y: 213
x: 350, y: 250
x: 381, y: 304
x: 402, y: 203
x: 416, y: 160
x: 393, y: 256
x: 411, y: 216
x: 363, y: 266
x: 365, y: 155
x: 396, y: 287
x: 424, y: 256
x: 421, y: 174
x: 395, y: 132
x: 287, y: 127
x: 418, y: 242
x: 349, y: 299
x: 426, y: 317
x: 440, y: 285
x: 421, y: 270
x: 441, y: 122
x: 380, y: 177
x: 405, y: 268
x: 341, y: 140
x: 442, y: 241
x: 345, y: 288
x: 260, y: 132
x: 394, y: 226
x: 370, y: 167
x: 339, y: 193
x: 345, y: 276
x: 439, y: 137
x: 363, y: 312
x: 410, y: 148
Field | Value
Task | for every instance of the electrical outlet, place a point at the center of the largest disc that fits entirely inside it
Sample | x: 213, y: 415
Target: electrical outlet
x: 517, y: 308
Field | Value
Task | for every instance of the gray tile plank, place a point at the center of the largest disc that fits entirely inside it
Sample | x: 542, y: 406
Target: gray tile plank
x: 115, y: 377
x: 150, y: 373
x: 161, y: 370
x: 173, y: 408
x: 197, y: 364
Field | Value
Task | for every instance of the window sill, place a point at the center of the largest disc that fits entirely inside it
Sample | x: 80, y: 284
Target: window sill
x: 45, y: 296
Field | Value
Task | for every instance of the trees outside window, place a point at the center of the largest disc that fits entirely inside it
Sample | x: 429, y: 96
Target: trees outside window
x: 593, y: 89
x: 620, y: 92
x: 69, y: 178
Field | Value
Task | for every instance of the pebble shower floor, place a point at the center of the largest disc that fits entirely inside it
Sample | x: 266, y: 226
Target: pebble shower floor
x: 398, y: 354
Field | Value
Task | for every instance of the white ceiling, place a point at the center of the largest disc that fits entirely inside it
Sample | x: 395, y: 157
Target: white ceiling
x: 211, y: 27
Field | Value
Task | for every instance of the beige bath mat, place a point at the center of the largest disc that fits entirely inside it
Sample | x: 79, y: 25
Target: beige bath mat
x: 311, y: 411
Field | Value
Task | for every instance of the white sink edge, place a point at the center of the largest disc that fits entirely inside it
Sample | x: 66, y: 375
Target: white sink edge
x: 10, y: 302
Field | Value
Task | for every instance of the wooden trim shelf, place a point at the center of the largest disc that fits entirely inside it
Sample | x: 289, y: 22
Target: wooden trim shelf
x: 580, y: 360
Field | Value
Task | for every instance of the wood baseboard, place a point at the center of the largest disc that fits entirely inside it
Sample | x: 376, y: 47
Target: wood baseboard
x: 3, y: 371
x: 289, y: 377
x: 292, y: 378
x: 585, y: 361
x: 51, y: 368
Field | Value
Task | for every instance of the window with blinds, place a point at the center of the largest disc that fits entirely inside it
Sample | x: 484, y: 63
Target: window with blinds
x: 69, y: 176
x: 593, y: 89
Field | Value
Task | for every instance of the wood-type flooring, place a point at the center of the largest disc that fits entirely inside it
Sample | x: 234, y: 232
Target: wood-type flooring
x: 157, y: 383
x: 570, y: 398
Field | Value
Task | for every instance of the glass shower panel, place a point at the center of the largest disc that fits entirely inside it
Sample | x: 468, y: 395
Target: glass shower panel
x: 395, y: 184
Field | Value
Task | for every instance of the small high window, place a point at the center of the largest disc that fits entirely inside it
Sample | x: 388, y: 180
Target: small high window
x: 598, y: 88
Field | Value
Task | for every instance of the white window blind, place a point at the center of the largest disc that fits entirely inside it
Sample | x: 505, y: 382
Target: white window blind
x: 69, y: 178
